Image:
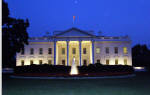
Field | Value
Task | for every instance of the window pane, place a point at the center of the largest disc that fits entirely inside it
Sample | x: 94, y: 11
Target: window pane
x: 84, y: 50
x: 84, y: 62
x: 63, y: 50
x: 49, y: 50
x: 125, y: 51
x: 116, y: 50
x: 40, y: 51
x: 97, y: 50
x: 107, y: 49
x: 73, y: 50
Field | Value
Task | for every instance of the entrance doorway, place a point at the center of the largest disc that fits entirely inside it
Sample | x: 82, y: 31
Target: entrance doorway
x: 63, y: 62
x: 84, y: 62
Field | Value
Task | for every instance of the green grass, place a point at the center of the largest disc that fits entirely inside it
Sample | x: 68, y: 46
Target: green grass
x: 138, y: 85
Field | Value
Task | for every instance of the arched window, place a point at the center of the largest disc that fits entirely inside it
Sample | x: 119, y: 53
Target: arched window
x: 40, y: 62
x: 116, y: 61
x: 31, y: 62
x: 22, y: 62
x: 125, y: 61
x: 107, y: 61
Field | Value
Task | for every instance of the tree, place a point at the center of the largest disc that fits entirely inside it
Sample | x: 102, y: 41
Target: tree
x: 141, y: 56
x: 14, y: 36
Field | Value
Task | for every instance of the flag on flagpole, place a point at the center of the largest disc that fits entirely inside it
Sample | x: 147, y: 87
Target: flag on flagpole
x: 73, y: 19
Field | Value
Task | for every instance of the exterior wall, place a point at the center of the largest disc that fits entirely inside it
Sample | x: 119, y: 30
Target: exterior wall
x: 36, y: 56
x: 74, y: 44
x: 60, y: 56
x: 102, y: 56
x: 88, y: 55
x: 112, y: 56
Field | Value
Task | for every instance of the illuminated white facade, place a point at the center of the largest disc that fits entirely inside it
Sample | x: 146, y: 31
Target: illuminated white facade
x: 87, y: 48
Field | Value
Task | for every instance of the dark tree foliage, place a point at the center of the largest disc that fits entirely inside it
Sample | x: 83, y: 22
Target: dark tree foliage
x: 141, y: 55
x: 14, y: 36
x: 5, y: 12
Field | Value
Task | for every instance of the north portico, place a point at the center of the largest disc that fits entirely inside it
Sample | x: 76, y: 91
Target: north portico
x: 81, y: 50
x: 84, y: 46
x: 73, y: 43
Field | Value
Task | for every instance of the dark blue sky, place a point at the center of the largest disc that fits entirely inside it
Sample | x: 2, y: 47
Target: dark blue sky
x: 112, y: 17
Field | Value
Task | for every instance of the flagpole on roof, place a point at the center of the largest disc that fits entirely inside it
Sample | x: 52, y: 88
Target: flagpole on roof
x: 73, y: 19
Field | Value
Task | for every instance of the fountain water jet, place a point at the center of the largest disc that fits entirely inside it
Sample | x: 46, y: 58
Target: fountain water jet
x: 74, y: 69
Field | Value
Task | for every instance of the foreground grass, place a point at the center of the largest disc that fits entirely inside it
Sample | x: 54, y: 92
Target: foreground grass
x: 139, y: 85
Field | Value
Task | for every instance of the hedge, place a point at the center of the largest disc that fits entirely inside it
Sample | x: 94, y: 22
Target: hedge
x: 92, y: 68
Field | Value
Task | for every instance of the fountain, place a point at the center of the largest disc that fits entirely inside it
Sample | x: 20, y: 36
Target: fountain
x: 74, y: 69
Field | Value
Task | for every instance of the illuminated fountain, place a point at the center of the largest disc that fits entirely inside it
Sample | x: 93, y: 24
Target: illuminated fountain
x: 74, y: 69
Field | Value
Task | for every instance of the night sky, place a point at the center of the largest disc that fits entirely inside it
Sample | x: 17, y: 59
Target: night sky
x: 112, y: 17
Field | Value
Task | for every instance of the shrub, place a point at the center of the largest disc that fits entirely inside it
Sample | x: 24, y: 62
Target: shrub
x: 92, y: 68
x: 44, y: 68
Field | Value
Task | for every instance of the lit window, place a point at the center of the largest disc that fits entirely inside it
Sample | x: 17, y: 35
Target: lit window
x: 40, y: 51
x: 63, y: 50
x: 31, y: 51
x: 40, y: 62
x: 125, y: 51
x: 116, y: 50
x: 49, y: 50
x: 107, y: 61
x: 97, y: 50
x: 22, y: 52
x: 73, y: 50
x: 116, y: 61
x: 49, y: 62
x: 125, y: 61
x: 84, y: 50
x: 31, y: 62
x: 22, y: 62
x: 107, y: 50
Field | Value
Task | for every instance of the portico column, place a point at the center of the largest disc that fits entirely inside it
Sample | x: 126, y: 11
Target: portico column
x: 67, y: 53
x: 54, y: 52
x: 93, y: 51
x: 80, y: 52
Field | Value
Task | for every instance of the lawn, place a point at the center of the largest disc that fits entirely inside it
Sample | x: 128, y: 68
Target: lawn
x: 138, y: 85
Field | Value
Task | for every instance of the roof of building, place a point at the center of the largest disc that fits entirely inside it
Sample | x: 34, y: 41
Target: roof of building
x: 76, y: 30
x: 77, y: 34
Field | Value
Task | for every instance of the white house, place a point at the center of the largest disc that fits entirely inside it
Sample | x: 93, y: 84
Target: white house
x: 87, y: 48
